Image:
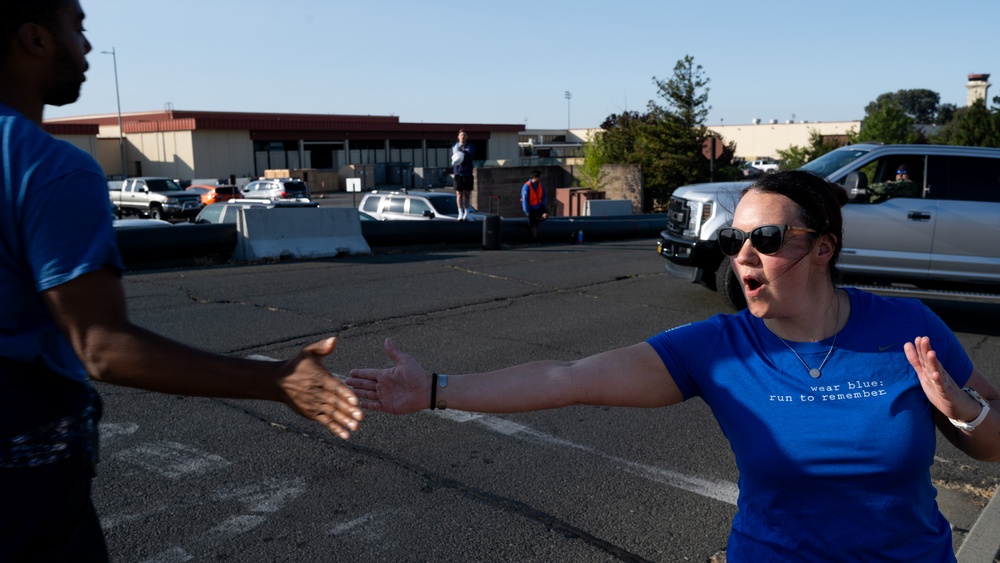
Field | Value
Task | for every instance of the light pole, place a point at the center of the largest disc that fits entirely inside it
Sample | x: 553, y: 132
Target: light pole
x: 121, y: 131
x: 568, y: 98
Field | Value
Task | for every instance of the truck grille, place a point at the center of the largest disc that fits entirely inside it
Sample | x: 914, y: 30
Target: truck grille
x: 678, y: 214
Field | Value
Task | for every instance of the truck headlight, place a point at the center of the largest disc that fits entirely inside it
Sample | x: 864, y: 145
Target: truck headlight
x: 700, y: 212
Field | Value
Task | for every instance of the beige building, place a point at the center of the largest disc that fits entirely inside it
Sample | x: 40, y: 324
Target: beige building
x: 197, y: 144
x: 764, y: 140
x: 753, y: 141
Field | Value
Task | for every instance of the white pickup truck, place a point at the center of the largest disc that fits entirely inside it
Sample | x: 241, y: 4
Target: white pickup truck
x: 938, y: 238
x: 764, y: 165
x: 158, y: 198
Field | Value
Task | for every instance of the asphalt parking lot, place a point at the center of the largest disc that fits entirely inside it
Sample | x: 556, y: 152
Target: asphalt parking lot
x: 185, y: 479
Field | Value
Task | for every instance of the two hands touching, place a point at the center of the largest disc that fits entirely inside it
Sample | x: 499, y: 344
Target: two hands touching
x: 406, y: 388
x: 311, y: 391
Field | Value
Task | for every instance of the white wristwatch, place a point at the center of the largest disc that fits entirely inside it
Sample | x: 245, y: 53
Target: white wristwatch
x: 970, y: 426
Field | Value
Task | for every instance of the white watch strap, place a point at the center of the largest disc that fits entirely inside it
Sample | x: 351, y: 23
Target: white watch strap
x: 971, y: 425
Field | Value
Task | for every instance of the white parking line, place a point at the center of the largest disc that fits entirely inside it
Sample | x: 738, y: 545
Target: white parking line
x: 724, y: 491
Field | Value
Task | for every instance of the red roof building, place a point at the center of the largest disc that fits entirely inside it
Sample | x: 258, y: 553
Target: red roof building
x: 206, y: 144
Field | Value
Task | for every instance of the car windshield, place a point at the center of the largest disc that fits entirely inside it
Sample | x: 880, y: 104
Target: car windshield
x: 225, y: 190
x: 209, y: 215
x: 295, y: 187
x: 163, y: 185
x: 833, y: 161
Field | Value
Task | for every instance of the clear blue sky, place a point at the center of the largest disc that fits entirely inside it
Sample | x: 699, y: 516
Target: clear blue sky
x: 512, y: 62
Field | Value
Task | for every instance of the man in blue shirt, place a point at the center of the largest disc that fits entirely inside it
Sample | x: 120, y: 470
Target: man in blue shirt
x: 63, y: 317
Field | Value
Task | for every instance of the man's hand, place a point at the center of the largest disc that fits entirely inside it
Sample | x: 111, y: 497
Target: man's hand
x: 313, y: 392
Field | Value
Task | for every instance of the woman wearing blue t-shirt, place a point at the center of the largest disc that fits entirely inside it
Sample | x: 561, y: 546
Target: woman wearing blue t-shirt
x: 829, y: 397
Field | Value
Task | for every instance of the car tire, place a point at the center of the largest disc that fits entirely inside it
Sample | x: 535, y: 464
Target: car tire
x: 729, y: 287
x: 156, y: 212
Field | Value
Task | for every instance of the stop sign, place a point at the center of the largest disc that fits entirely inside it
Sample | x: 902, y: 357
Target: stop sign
x: 712, y: 148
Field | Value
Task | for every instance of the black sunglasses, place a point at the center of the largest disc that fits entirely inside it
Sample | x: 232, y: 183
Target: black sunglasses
x: 766, y: 239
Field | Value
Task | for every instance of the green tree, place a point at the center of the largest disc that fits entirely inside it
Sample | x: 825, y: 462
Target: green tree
x: 666, y: 141
x: 886, y: 122
x: 795, y: 156
x: 669, y: 145
x: 946, y: 112
x: 920, y: 104
x: 618, y: 137
x: 973, y: 126
x: 591, y: 173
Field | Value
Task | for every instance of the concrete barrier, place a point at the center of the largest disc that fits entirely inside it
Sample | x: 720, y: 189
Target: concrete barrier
x: 607, y: 207
x: 157, y: 244
x: 514, y: 230
x: 309, y: 232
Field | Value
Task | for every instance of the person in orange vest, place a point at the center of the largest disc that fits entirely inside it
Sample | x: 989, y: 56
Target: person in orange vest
x: 533, y: 202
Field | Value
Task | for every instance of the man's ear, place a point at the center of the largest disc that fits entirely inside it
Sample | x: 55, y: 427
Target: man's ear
x: 34, y: 38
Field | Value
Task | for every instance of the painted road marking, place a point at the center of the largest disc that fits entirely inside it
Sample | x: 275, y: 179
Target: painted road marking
x: 725, y: 491
x: 172, y: 459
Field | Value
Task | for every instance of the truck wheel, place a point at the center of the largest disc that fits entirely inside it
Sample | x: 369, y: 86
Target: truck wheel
x: 729, y: 287
x: 156, y: 213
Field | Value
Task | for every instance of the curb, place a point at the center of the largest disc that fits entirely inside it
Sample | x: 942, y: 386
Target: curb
x: 982, y: 545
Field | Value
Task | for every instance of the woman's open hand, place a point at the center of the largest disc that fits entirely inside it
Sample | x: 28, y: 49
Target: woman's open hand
x: 401, y: 389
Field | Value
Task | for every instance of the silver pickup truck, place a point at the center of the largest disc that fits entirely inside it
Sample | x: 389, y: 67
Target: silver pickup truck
x: 937, y: 235
x: 158, y: 198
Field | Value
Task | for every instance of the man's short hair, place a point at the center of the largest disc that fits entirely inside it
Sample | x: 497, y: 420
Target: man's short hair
x: 15, y: 13
x: 536, y: 174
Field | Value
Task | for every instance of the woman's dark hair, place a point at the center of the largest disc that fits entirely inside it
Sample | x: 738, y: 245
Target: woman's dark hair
x: 15, y: 13
x: 819, y: 203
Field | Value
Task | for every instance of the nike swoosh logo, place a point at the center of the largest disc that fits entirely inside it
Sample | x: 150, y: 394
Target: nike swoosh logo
x: 884, y: 348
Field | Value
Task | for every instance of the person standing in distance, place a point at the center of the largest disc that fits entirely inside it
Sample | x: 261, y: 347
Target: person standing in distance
x: 461, y: 159
x: 63, y: 317
x: 533, y: 202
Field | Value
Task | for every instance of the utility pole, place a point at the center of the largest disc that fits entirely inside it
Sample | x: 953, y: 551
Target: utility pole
x: 568, y: 98
x: 121, y: 131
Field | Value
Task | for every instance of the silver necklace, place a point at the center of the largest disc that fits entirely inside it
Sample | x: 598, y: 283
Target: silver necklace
x: 814, y: 373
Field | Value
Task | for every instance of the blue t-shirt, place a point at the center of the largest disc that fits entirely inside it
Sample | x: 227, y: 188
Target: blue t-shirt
x: 55, y: 225
x: 835, y: 468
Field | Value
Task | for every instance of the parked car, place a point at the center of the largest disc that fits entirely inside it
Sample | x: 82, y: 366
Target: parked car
x: 413, y: 205
x: 158, y: 198
x: 215, y: 194
x: 276, y: 188
x: 765, y: 165
x: 140, y: 223
x: 935, y: 231
x: 227, y: 211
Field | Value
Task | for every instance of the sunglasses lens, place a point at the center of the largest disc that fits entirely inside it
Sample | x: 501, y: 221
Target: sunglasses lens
x: 730, y: 241
x: 766, y: 239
